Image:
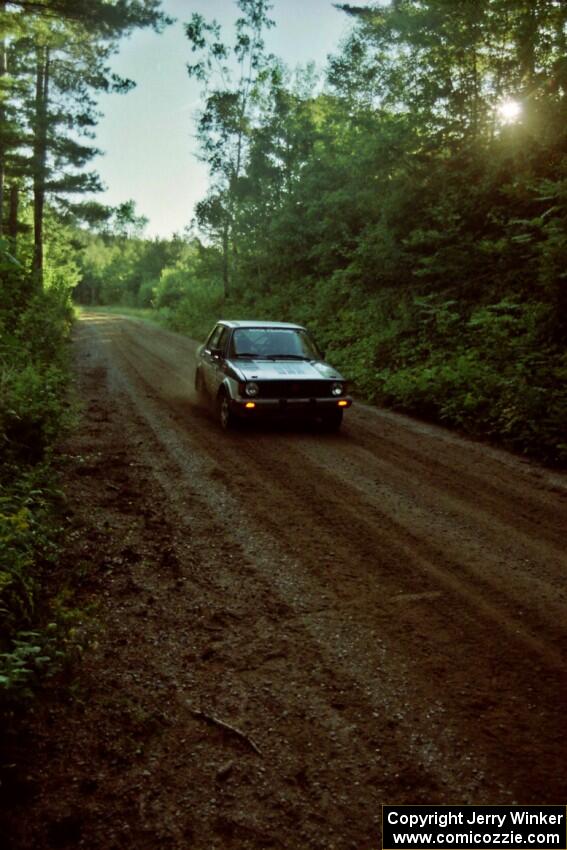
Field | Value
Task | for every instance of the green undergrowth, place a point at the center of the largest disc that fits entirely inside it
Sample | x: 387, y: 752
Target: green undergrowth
x: 489, y: 370
x: 36, y: 617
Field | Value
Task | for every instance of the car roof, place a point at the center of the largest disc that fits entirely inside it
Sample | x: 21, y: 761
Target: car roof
x: 233, y: 323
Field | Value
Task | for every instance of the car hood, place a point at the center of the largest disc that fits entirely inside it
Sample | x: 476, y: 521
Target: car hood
x: 281, y: 370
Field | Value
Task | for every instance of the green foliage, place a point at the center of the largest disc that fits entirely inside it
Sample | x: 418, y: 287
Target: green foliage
x: 231, y: 76
x: 35, y: 635
x: 193, y: 313
x: 171, y: 288
x: 54, y: 62
x: 124, y: 269
x: 20, y: 665
x: 33, y: 376
x: 31, y: 410
x: 33, y: 413
x: 489, y: 374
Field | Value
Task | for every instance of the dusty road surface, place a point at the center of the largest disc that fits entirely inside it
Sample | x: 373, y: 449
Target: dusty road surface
x: 380, y: 613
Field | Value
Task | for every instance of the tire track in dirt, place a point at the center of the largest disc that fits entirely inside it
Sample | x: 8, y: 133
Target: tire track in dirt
x: 487, y: 484
x: 441, y: 526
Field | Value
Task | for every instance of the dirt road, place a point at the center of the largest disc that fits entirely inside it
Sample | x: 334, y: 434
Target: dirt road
x: 381, y: 612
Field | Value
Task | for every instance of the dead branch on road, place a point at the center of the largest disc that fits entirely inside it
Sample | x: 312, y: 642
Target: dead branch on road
x: 215, y: 721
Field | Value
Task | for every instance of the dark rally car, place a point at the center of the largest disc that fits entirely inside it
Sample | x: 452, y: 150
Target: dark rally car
x: 249, y: 369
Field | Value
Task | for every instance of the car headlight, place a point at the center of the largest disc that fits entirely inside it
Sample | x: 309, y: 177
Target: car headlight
x: 252, y: 389
x: 337, y: 388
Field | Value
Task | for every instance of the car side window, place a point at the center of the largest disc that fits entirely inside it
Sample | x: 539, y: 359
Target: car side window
x: 223, y: 339
x: 213, y: 340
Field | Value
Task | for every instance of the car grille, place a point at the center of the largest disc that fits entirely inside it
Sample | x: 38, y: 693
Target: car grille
x: 294, y: 389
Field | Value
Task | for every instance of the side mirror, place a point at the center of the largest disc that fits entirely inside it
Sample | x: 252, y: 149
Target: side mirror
x: 216, y: 353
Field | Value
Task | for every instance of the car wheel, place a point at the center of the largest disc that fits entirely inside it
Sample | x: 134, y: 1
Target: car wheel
x: 332, y: 421
x: 226, y: 417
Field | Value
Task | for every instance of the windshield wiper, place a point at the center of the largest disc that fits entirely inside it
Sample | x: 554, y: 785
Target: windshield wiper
x: 246, y: 354
x: 287, y: 357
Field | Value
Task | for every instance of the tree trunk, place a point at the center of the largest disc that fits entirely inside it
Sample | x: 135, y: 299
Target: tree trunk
x: 40, y: 158
x: 527, y: 45
x: 225, y: 259
x: 3, y: 69
x: 12, y: 230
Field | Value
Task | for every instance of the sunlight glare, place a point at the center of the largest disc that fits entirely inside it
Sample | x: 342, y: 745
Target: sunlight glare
x: 509, y: 111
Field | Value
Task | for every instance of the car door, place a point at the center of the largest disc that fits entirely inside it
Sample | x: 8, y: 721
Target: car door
x: 213, y: 361
x: 207, y: 359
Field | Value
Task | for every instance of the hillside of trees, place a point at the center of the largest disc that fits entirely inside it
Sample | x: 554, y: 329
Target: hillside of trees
x: 409, y: 206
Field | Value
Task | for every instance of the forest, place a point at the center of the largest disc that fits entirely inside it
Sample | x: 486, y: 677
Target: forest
x: 408, y: 203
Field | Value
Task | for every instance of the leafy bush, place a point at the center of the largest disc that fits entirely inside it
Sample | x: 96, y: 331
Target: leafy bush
x: 171, y: 288
x: 28, y: 547
x: 33, y: 412
x: 196, y: 312
x: 489, y: 374
x: 146, y: 294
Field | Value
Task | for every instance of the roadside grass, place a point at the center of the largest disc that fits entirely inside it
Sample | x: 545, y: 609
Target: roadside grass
x: 142, y: 313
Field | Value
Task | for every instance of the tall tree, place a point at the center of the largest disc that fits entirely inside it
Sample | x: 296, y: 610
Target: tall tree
x: 2, y: 110
x: 229, y: 76
x: 42, y: 77
x: 107, y: 19
x: 60, y: 52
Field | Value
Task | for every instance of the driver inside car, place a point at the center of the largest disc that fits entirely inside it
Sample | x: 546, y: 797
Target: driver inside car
x: 242, y: 343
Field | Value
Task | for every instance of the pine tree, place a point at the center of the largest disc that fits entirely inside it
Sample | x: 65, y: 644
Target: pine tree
x: 59, y: 52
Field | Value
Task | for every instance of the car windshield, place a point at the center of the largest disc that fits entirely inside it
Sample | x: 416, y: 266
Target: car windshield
x: 273, y: 343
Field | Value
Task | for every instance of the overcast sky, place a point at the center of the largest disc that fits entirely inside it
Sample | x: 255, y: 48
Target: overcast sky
x: 148, y: 134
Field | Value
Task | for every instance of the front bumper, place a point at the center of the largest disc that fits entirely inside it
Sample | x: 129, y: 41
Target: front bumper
x: 308, y: 407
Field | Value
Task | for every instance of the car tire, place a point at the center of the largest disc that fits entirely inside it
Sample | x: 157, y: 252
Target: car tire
x: 332, y: 421
x: 227, y: 420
